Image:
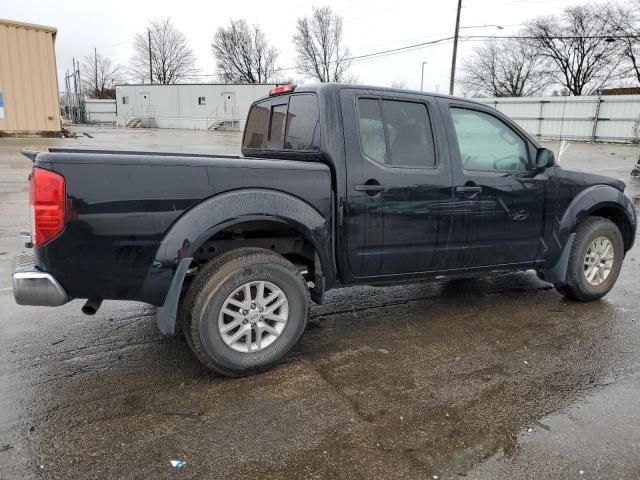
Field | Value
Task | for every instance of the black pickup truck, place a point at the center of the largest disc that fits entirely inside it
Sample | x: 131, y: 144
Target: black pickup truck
x: 337, y: 185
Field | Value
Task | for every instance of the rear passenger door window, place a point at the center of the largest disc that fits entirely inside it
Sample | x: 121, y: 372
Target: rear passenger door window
x: 396, y: 133
x: 409, y: 136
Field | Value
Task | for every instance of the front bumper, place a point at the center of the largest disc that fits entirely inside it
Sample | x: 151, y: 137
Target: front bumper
x: 32, y: 286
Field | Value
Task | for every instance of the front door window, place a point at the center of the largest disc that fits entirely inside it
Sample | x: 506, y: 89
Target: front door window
x: 488, y: 144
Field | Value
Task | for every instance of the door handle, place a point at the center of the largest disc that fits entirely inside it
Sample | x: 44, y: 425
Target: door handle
x: 371, y: 188
x: 469, y: 191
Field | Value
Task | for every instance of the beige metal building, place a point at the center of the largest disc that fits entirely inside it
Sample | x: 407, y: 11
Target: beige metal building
x: 29, y: 102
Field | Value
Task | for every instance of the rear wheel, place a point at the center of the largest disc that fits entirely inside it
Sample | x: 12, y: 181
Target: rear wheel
x: 595, y: 260
x: 246, y: 311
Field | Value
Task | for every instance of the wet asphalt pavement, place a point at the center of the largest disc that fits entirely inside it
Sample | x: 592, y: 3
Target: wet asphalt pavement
x: 488, y: 378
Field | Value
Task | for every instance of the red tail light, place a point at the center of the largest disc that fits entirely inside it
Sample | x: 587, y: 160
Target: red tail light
x: 281, y: 89
x: 47, y: 201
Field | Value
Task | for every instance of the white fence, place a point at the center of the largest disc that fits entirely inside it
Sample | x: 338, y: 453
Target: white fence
x: 609, y: 118
x: 100, y: 111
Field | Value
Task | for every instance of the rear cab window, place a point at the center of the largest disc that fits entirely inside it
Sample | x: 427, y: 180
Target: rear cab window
x: 277, y: 125
x: 286, y: 123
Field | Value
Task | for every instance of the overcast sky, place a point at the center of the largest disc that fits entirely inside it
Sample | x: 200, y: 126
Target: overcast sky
x: 369, y: 26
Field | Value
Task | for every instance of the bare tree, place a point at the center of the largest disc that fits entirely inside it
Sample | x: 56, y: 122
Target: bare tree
x: 509, y: 68
x: 162, y: 44
x: 577, y: 44
x: 399, y: 84
x: 626, y: 19
x: 318, y: 41
x: 243, y: 54
x: 99, y: 76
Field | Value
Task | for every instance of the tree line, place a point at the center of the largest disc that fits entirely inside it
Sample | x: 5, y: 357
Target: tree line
x: 243, y: 54
x: 579, y: 52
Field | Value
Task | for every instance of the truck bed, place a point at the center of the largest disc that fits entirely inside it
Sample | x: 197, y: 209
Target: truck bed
x: 120, y: 205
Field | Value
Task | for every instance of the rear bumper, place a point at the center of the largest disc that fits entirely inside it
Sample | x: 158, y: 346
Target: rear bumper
x: 38, y: 288
x: 32, y: 286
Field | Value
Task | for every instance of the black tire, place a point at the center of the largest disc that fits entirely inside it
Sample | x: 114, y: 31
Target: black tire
x: 211, y: 288
x: 183, y: 320
x: 576, y: 285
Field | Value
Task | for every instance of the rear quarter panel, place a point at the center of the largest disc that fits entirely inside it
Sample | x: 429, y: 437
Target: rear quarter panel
x: 119, y: 208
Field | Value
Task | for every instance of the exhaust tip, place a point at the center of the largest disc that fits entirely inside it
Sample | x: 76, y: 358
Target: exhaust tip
x: 91, y: 307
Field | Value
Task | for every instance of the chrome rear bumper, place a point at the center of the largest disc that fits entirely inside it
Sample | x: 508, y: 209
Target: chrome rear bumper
x: 31, y: 286
x: 38, y: 288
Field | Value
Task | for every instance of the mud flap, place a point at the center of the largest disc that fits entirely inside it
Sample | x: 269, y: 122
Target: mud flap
x: 167, y: 313
x: 558, y: 273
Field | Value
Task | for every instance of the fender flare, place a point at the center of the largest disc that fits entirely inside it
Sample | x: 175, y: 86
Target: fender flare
x: 583, y: 205
x: 165, y: 278
x: 588, y: 201
x: 591, y: 199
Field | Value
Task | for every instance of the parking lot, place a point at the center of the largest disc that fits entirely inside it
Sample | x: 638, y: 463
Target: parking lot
x: 487, y: 378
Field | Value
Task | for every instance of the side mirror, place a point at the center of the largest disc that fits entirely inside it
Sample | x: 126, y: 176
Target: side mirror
x: 545, y: 159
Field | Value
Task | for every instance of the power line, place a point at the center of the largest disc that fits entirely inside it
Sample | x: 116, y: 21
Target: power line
x: 401, y: 49
x: 382, y: 53
x: 439, y: 41
x: 552, y: 37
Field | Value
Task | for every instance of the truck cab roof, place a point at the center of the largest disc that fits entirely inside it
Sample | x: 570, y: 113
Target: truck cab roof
x: 334, y: 88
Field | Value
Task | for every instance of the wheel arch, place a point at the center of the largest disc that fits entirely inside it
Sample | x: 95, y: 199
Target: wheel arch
x: 602, y: 201
x: 597, y: 200
x: 617, y: 216
x: 223, y: 211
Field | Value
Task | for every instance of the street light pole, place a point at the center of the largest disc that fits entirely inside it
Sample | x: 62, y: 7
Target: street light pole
x: 422, y: 77
x: 455, y: 49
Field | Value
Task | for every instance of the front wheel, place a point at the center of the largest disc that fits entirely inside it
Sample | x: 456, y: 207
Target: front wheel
x: 595, y: 260
x: 247, y: 312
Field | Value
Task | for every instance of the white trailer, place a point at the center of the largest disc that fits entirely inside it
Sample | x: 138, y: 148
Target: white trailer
x: 188, y: 106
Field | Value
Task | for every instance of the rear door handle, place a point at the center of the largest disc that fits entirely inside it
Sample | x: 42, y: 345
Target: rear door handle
x: 370, y: 188
x: 470, y: 189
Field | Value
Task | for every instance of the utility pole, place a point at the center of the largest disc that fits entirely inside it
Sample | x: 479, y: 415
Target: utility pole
x: 455, y: 49
x: 75, y: 76
x: 422, y: 77
x: 150, y: 65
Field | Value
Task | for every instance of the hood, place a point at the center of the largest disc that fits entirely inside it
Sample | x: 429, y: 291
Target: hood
x: 589, y: 179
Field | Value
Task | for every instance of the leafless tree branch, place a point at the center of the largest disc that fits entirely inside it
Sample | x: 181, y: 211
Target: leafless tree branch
x: 99, y: 76
x: 172, y: 60
x: 509, y: 68
x: 243, y: 54
x: 319, y: 43
x: 575, y: 44
x: 626, y: 20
